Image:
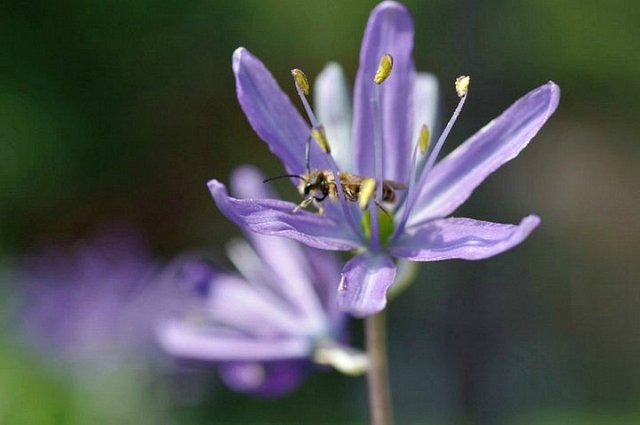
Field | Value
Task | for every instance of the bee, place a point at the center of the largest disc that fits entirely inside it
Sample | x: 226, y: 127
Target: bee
x: 318, y: 185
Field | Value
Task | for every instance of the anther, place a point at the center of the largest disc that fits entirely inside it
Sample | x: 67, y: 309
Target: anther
x: 367, y: 189
x: 301, y: 80
x: 384, y: 68
x: 462, y: 85
x: 320, y: 135
x: 424, y: 139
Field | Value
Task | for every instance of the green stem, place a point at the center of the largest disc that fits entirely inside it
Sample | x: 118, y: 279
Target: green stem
x: 378, y: 376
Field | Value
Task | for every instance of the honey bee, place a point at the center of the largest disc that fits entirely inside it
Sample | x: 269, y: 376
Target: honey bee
x: 318, y: 185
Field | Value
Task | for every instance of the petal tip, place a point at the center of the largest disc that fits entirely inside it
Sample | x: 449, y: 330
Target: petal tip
x: 390, y: 5
x: 391, y: 10
x: 214, y: 185
x: 555, y: 97
x: 530, y: 222
x: 364, y: 283
x: 236, y: 58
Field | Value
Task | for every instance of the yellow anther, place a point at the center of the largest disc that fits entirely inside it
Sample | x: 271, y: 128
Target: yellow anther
x: 319, y: 134
x: 424, y: 139
x: 462, y: 85
x: 367, y: 190
x: 302, y: 82
x: 384, y: 68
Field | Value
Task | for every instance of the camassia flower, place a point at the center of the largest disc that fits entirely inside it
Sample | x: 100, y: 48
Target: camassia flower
x: 271, y: 322
x: 387, y: 140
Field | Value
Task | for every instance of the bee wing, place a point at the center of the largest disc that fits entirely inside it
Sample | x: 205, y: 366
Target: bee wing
x: 395, y: 185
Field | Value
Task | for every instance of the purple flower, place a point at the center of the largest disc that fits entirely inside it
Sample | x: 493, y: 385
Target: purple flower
x: 386, y: 139
x: 267, y: 324
x: 81, y: 300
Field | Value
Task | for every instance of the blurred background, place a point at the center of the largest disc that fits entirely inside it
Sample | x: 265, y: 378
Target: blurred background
x: 120, y: 111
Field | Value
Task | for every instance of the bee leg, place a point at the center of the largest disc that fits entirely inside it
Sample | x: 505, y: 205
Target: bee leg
x: 383, y: 209
x: 320, y: 208
x: 302, y: 205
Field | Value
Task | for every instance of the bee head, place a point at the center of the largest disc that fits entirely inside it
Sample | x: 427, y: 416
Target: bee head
x: 315, y: 181
x: 312, y: 183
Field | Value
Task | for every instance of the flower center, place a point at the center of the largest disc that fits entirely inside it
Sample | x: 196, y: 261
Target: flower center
x: 386, y: 225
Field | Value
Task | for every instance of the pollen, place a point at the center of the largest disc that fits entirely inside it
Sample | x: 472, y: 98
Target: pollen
x: 301, y: 80
x: 320, y: 135
x: 424, y: 139
x: 367, y: 189
x: 462, y: 85
x: 384, y: 68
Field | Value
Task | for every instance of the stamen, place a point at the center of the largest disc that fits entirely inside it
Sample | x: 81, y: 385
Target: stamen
x: 302, y: 87
x: 318, y: 133
x: 367, y: 189
x: 462, y: 88
x: 383, y: 72
x: 424, y: 139
x: 377, y: 139
x: 384, y: 68
x: 462, y: 85
x: 422, y: 146
x: 301, y: 80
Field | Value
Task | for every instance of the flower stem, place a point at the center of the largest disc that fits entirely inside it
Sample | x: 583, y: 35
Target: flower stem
x: 378, y: 376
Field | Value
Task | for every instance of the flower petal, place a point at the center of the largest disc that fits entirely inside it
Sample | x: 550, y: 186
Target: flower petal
x: 325, y: 269
x: 271, y: 113
x: 251, y: 309
x: 464, y: 238
x: 266, y: 379
x: 333, y: 107
x: 364, y: 284
x: 283, y: 264
x: 186, y: 340
x: 389, y: 30
x: 275, y: 218
x: 454, y: 178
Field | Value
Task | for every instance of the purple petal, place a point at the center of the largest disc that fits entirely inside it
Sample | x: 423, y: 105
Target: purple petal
x: 189, y: 341
x: 325, y: 269
x: 267, y: 379
x: 464, y: 238
x: 275, y: 218
x: 364, y: 284
x: 333, y: 108
x: 454, y: 178
x: 389, y: 30
x: 271, y: 113
x: 287, y: 269
x: 253, y: 309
